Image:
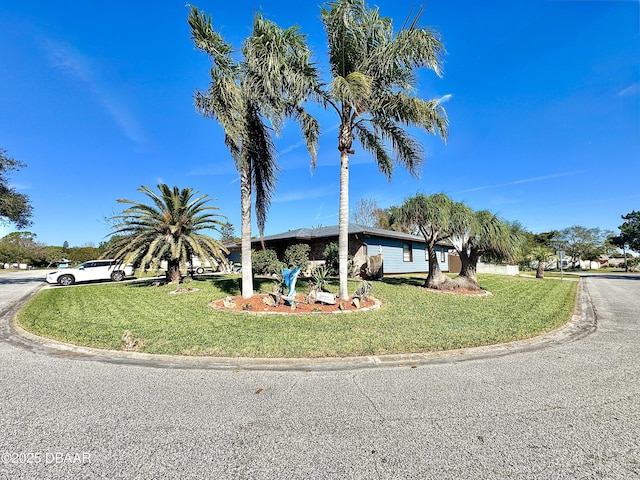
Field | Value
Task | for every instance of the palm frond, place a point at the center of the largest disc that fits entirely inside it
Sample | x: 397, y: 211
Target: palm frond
x: 168, y: 229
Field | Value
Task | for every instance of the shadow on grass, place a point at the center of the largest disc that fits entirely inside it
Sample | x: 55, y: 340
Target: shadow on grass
x: 413, y: 281
x: 145, y: 282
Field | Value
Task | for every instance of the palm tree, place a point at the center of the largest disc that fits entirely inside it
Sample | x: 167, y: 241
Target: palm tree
x: 168, y: 229
x: 431, y: 214
x: 481, y: 234
x: 250, y: 99
x: 373, y: 78
x: 541, y: 254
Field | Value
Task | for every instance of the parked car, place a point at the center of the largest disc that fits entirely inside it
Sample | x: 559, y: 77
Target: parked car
x: 91, y: 270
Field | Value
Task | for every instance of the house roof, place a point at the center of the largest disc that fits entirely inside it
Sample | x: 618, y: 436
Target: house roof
x: 333, y: 230
x: 307, y: 234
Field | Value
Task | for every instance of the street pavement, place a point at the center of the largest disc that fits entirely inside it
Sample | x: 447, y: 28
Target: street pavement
x: 548, y: 410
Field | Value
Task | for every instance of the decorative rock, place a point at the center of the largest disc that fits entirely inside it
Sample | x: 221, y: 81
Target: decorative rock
x: 269, y: 300
x: 356, y: 302
x: 229, y: 302
x: 324, y: 297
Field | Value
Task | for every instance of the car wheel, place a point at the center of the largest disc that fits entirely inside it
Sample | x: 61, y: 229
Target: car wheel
x: 66, y: 280
x: 117, y: 276
x: 199, y: 270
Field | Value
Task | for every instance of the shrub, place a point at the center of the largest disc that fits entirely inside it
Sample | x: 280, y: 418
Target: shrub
x: 297, y: 256
x: 364, y: 290
x: 265, y: 262
x: 331, y: 258
x: 332, y: 261
x: 320, y: 277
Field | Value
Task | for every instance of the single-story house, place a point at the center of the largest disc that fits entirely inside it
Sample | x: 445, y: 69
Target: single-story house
x: 401, y: 252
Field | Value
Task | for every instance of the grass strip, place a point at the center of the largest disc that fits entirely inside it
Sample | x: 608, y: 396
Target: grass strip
x: 411, y: 318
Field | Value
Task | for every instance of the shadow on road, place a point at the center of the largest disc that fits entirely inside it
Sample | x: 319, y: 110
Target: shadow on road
x: 620, y: 276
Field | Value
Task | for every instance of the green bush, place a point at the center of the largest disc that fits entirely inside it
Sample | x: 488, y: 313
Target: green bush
x: 297, y: 256
x: 332, y: 261
x: 265, y: 262
x: 331, y: 258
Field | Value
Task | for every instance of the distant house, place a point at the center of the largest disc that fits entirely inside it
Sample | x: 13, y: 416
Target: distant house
x: 401, y: 252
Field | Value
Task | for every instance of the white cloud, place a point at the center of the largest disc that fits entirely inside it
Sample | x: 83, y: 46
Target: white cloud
x: 518, y: 182
x: 632, y: 89
x: 83, y: 68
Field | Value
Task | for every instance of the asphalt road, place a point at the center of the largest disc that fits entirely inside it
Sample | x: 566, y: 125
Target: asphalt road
x: 568, y: 410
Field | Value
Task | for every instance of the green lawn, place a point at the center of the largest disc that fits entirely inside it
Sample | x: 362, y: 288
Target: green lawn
x: 411, y: 319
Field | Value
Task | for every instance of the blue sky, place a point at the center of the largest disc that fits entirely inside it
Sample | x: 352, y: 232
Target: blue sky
x: 543, y: 99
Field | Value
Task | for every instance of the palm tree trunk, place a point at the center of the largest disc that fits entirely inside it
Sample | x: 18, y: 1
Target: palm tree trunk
x: 173, y: 271
x: 435, y: 276
x: 468, y: 271
x: 245, y: 212
x: 343, y: 228
x: 540, y: 271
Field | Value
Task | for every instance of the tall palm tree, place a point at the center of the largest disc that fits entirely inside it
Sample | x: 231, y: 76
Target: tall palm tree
x: 250, y: 98
x: 372, y: 71
x: 170, y: 229
x: 432, y: 215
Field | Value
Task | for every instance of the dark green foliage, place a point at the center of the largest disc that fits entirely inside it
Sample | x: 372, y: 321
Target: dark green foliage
x: 21, y: 247
x: 297, y: 256
x: 14, y: 207
x: 83, y: 254
x: 630, y: 230
x: 331, y: 258
x: 265, y: 262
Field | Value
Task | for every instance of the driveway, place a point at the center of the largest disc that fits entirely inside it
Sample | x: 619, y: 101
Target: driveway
x: 569, y: 410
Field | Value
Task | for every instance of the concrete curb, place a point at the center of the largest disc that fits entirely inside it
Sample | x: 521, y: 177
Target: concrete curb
x: 581, y: 324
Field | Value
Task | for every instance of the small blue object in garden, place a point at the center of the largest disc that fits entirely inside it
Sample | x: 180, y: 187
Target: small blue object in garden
x: 290, y: 278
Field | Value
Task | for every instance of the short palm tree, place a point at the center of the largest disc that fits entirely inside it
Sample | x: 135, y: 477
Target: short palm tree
x: 251, y: 98
x: 478, y: 234
x: 170, y: 228
x: 373, y: 80
x: 431, y: 214
x: 542, y: 255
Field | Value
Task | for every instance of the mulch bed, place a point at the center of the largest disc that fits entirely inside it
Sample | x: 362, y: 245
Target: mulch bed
x: 255, y: 304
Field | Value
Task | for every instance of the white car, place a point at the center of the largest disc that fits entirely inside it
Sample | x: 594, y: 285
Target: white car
x: 91, y: 270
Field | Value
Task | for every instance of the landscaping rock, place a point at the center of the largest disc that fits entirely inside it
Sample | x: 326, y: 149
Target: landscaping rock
x: 269, y: 300
x: 229, y: 302
x: 325, y: 297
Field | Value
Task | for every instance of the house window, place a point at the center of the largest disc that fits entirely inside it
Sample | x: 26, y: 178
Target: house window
x: 443, y: 255
x: 407, y: 252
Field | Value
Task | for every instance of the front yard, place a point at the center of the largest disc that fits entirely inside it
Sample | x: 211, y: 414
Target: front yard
x: 411, y: 319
